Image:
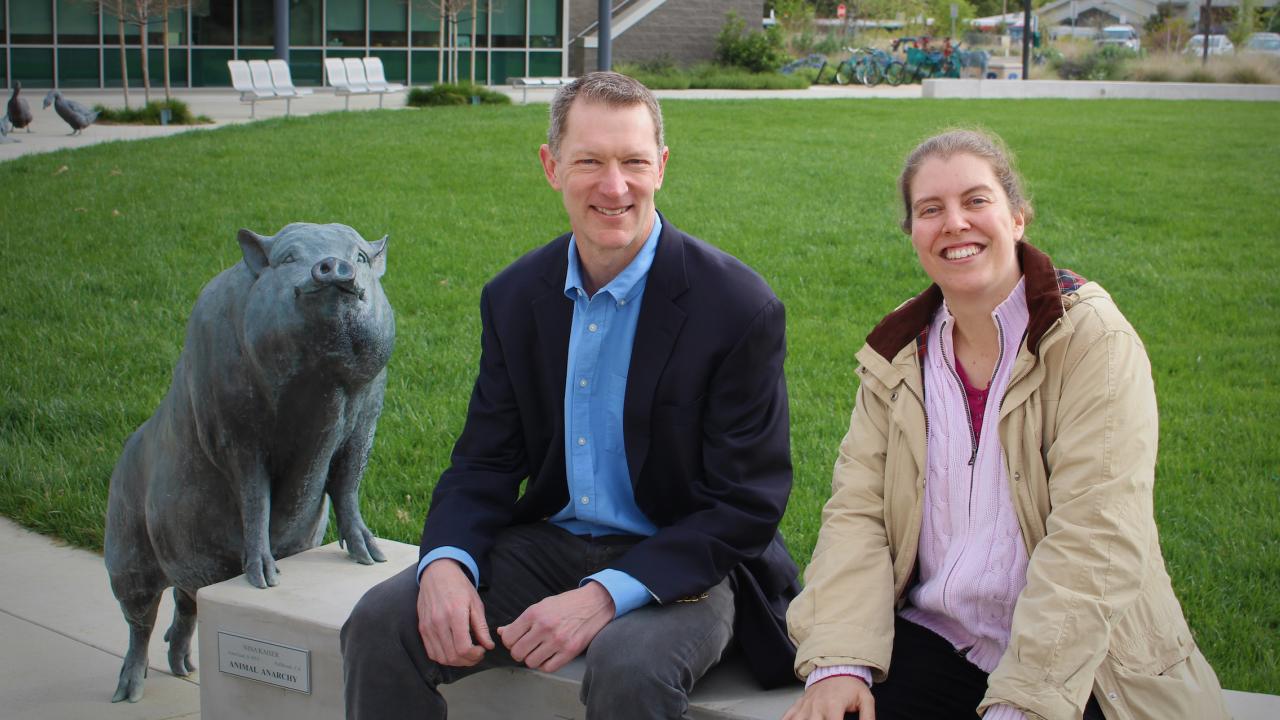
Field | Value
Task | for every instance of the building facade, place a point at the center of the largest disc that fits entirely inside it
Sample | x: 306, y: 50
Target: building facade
x: 71, y: 44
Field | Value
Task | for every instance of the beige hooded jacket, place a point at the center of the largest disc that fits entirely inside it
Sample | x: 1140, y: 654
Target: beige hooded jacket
x: 1079, y: 428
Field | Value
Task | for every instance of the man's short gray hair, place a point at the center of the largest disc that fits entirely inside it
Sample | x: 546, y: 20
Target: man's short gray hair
x: 612, y: 89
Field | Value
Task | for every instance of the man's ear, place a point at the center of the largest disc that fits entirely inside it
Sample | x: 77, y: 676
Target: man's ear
x: 256, y: 249
x: 662, y: 166
x: 549, y: 163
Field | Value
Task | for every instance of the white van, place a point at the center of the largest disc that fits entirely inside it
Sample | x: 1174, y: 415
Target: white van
x: 1122, y: 35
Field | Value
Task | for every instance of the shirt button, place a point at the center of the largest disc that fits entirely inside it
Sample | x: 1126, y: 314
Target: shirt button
x: 582, y: 441
x: 586, y: 500
x: 622, y: 302
x: 593, y: 327
x: 582, y: 382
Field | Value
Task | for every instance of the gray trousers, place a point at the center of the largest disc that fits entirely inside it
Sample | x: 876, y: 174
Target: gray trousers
x: 641, y: 665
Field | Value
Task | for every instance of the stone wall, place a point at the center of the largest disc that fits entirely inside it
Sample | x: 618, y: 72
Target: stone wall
x: 682, y: 30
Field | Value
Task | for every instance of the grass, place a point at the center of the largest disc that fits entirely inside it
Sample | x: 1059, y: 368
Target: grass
x: 1170, y: 205
x: 666, y: 76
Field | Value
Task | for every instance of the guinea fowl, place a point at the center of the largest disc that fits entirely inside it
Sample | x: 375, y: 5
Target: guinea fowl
x: 19, y: 110
x: 77, y: 116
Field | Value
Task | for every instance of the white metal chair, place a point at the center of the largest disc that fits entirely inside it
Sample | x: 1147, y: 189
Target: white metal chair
x: 356, y: 78
x: 261, y: 74
x: 377, y: 77
x: 335, y: 70
x: 282, y: 79
x: 242, y: 81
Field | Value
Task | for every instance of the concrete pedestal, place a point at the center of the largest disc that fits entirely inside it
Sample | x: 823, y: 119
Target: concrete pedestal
x: 304, y: 613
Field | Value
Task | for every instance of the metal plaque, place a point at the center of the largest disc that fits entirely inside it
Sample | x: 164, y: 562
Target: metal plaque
x: 279, y: 665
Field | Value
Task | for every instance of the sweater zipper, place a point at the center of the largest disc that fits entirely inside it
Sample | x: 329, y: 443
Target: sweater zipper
x: 973, y: 440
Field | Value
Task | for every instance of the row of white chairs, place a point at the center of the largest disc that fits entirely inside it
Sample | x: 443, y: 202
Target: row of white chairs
x: 359, y: 76
x: 264, y: 80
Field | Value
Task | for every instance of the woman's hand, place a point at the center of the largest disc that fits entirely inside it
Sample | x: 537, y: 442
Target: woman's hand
x: 831, y: 698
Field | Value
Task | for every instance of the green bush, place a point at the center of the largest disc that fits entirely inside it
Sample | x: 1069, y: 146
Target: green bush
x: 149, y: 114
x: 757, y: 51
x: 455, y: 94
x: 1104, y: 63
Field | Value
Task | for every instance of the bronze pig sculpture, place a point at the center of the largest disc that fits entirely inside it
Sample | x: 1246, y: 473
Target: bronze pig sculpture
x: 273, y: 406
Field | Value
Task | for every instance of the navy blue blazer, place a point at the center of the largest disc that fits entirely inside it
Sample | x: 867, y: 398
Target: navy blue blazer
x: 705, y: 426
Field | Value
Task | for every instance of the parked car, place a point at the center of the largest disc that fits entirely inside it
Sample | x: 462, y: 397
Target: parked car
x: 1120, y: 36
x: 1265, y: 43
x: 1218, y: 45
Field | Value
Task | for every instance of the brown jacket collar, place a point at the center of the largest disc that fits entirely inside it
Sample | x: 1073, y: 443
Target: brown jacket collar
x: 1045, y: 287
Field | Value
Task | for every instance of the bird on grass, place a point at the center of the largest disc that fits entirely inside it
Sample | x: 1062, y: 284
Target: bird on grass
x: 77, y: 116
x: 19, y: 110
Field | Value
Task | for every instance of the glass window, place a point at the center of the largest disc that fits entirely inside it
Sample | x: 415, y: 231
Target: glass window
x: 177, y: 68
x: 32, y: 66
x: 211, y: 25
x: 256, y: 54
x: 257, y: 22
x: 507, y: 20
x: 177, y: 30
x: 506, y: 65
x: 133, y: 56
x: 395, y: 63
x: 306, y: 67
x: 388, y: 23
x: 544, y: 64
x: 424, y: 64
x: 305, y: 17
x: 77, y: 25
x: 209, y: 68
x: 77, y: 67
x: 32, y: 22
x: 346, y: 23
x: 482, y: 67
x: 426, y: 26
x: 544, y: 23
x: 481, y: 23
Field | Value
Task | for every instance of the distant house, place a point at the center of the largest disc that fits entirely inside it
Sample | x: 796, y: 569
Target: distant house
x: 1062, y: 14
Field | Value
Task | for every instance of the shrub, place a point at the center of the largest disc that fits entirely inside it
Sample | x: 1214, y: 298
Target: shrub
x: 1104, y: 63
x: 757, y: 51
x: 455, y: 94
x: 149, y: 114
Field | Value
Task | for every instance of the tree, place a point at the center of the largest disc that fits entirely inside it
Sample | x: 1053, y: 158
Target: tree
x: 452, y: 14
x: 141, y: 13
x: 1246, y: 23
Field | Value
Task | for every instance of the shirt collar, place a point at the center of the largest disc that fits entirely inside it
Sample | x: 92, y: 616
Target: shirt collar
x: 630, y: 282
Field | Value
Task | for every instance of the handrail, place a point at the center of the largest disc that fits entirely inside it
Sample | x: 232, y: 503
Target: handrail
x: 613, y: 12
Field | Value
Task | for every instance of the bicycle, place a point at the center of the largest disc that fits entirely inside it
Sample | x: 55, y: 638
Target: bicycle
x: 865, y: 65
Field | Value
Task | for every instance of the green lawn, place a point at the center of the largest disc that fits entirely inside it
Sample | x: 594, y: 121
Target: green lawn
x: 1171, y: 205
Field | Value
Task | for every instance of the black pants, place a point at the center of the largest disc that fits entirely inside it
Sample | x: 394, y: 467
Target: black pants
x: 929, y: 680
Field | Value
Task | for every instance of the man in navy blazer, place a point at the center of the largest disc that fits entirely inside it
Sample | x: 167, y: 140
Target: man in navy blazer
x: 625, y: 462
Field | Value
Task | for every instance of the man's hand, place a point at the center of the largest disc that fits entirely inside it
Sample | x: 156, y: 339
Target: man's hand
x: 831, y: 698
x: 451, y: 616
x: 556, y: 630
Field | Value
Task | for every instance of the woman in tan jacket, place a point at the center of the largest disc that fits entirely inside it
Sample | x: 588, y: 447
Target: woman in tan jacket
x: 989, y: 547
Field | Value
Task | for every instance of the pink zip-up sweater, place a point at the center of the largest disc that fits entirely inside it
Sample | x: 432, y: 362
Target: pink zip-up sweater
x: 972, y: 561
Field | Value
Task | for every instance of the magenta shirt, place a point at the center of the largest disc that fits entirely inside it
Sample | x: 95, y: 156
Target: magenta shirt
x: 977, y: 401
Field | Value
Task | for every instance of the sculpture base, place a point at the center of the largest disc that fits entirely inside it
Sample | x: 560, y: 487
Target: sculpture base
x: 275, y: 653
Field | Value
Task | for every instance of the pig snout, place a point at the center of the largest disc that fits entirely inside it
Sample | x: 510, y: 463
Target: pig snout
x: 336, y: 272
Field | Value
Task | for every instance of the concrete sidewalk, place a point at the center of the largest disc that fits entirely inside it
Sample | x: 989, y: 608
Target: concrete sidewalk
x: 223, y: 106
x: 62, y: 640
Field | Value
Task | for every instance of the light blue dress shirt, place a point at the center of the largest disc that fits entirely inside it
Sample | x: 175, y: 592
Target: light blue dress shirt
x: 601, y: 501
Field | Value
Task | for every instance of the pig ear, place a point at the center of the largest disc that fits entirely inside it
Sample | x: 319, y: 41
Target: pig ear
x: 256, y: 249
x: 378, y: 260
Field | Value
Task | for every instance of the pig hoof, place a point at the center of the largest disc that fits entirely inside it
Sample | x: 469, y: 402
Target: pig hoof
x: 130, y: 685
x: 180, y: 663
x: 262, y: 573
x: 363, y: 548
